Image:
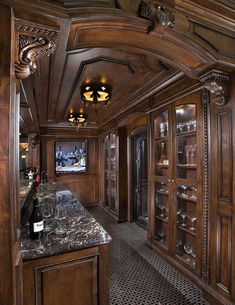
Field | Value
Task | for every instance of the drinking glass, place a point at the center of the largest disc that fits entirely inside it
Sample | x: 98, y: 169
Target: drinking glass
x: 47, y: 212
x: 166, y: 128
x: 193, y: 154
x: 162, y: 129
x: 187, y: 152
x: 60, y: 214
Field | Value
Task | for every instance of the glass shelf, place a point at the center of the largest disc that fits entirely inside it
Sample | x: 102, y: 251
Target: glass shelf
x: 162, y: 218
x: 187, y: 133
x: 186, y: 198
x: 166, y: 193
x: 185, y: 229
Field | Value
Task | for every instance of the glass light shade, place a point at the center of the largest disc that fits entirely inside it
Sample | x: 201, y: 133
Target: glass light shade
x: 95, y: 94
x: 78, y: 120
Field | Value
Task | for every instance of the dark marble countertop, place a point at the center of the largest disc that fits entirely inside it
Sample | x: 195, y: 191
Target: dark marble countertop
x: 70, y: 228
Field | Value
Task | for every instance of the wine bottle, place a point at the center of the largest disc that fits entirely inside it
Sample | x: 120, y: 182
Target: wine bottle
x: 36, y: 221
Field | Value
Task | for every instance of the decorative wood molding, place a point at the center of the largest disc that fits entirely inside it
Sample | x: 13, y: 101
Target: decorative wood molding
x: 218, y: 83
x: 34, y: 42
x: 157, y: 14
x: 205, y: 242
x: 34, y: 140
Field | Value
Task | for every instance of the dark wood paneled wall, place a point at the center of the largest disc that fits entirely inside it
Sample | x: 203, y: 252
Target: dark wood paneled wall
x: 85, y: 185
x: 10, y: 262
x: 222, y: 212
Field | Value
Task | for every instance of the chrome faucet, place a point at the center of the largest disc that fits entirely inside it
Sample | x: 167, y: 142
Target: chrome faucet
x: 43, y: 176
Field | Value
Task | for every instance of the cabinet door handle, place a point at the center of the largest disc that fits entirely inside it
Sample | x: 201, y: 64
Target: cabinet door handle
x: 169, y: 180
x: 172, y: 180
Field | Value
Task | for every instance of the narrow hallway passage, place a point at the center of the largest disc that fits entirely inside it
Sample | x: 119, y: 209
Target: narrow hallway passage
x: 138, y: 276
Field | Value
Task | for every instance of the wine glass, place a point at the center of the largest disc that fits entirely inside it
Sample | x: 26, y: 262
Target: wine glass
x: 183, y: 215
x: 47, y: 212
x: 178, y: 213
x: 194, y: 123
x: 179, y: 243
x: 193, y: 193
x: 60, y: 214
x: 184, y: 190
x: 180, y: 126
x: 188, y: 125
x: 162, y: 234
x: 192, y: 219
x: 162, y: 208
x: 188, y: 250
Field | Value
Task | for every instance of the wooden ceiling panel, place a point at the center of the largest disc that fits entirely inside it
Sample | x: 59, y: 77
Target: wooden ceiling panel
x: 112, y: 45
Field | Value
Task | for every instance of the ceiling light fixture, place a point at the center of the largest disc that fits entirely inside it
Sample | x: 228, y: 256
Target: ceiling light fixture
x: 95, y: 95
x: 78, y: 119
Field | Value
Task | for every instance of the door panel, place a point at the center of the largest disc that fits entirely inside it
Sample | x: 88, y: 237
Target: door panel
x: 141, y: 179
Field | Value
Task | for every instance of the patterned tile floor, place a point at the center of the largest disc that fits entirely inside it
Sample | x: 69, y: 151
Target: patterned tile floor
x: 138, y: 276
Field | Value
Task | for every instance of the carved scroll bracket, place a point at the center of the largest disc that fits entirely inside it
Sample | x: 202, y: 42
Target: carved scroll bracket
x: 34, y: 41
x: 218, y: 83
x: 157, y: 14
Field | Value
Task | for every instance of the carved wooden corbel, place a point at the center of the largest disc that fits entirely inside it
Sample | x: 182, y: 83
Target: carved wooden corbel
x: 157, y: 14
x: 34, y: 41
x: 218, y: 83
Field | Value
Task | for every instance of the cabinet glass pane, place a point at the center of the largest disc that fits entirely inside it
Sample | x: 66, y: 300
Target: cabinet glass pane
x: 186, y: 198
x: 161, y: 213
x: 186, y: 146
x: 161, y: 144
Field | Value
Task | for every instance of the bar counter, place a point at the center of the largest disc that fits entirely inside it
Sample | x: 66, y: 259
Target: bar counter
x: 70, y: 264
x: 81, y: 230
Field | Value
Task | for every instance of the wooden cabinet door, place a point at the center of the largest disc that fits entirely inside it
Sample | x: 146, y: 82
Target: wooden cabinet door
x: 66, y: 279
x: 177, y: 181
x: 162, y: 175
x: 187, y: 178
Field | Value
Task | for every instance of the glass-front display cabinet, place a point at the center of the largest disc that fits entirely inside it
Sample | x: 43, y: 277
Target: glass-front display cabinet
x: 177, y: 175
x: 110, y: 171
x: 115, y: 174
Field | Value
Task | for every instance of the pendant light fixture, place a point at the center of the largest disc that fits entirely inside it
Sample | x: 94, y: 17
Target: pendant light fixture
x: 95, y: 94
x: 78, y: 119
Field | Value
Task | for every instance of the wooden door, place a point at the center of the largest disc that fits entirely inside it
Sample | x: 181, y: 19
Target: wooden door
x: 140, y: 179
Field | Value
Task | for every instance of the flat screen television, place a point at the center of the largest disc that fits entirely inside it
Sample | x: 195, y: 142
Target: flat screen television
x: 70, y: 157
